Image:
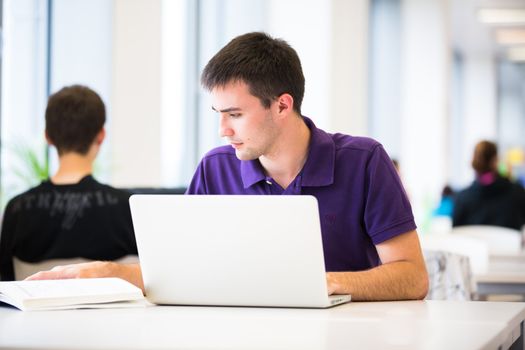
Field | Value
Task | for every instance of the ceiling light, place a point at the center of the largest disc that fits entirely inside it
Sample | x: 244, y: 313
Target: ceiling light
x: 502, y: 16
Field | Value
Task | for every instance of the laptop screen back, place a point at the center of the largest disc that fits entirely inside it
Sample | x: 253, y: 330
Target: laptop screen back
x: 230, y: 250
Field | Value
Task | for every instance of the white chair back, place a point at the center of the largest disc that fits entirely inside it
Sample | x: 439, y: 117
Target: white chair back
x: 500, y: 240
x: 476, y: 250
x: 439, y: 224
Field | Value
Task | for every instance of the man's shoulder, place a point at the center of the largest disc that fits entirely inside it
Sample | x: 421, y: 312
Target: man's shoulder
x: 468, y: 193
x: 15, y: 203
x: 517, y: 189
x: 122, y: 193
x: 30, y: 192
x: 516, y: 186
x: 354, y: 143
x: 342, y: 141
x: 221, y: 152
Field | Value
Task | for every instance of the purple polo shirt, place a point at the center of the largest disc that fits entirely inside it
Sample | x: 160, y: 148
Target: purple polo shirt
x: 361, y: 199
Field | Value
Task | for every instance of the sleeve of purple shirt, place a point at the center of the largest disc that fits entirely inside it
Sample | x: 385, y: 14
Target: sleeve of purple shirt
x: 198, y: 182
x: 387, y: 212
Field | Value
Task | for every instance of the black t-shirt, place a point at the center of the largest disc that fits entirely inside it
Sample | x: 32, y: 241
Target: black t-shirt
x: 88, y: 220
x: 501, y: 203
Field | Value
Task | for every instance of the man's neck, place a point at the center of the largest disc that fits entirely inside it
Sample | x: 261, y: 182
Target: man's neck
x: 289, y: 155
x: 73, y: 167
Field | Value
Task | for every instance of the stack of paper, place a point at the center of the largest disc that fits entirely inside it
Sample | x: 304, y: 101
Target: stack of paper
x: 71, y: 294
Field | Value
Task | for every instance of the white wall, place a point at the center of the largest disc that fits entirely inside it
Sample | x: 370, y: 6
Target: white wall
x: 348, y: 59
x: 81, y: 47
x: 81, y: 54
x: 424, y: 115
x: 511, y: 106
x: 384, y: 109
x: 174, y: 74
x: 23, y: 89
x: 479, y: 109
x: 305, y: 25
x: 136, y: 91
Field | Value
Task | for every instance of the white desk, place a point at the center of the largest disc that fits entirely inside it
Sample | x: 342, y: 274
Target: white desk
x: 505, y: 275
x: 390, y: 325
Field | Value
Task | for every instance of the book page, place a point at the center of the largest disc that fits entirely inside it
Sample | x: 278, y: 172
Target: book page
x: 54, y: 293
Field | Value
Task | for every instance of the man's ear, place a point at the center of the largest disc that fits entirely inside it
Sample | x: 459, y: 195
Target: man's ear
x: 100, y: 136
x: 285, y: 104
x: 48, y: 140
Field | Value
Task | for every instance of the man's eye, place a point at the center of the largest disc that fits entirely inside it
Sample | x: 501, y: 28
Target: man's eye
x: 235, y: 115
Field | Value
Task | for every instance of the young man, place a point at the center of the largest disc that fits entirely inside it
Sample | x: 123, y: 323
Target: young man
x: 71, y: 215
x: 369, y: 238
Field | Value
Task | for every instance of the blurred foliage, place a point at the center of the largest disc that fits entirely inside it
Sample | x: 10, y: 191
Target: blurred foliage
x: 28, y: 166
x: 32, y: 163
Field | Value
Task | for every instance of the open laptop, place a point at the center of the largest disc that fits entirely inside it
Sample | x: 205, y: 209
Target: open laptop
x: 231, y: 250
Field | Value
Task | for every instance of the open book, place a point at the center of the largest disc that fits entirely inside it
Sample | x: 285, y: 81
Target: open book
x: 71, y: 294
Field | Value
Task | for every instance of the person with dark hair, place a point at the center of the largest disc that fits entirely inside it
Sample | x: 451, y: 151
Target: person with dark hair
x: 71, y: 215
x: 491, y: 199
x: 370, y: 243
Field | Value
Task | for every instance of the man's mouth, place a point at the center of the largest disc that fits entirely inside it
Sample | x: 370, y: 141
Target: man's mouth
x: 235, y: 144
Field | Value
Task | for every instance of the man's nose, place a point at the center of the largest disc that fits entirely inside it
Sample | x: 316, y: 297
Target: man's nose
x: 224, y: 129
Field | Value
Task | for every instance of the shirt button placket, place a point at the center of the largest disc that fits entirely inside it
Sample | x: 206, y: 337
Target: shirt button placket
x: 269, y: 186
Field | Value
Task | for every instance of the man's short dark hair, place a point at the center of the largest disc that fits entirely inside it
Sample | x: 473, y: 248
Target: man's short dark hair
x: 74, y: 116
x: 270, y: 67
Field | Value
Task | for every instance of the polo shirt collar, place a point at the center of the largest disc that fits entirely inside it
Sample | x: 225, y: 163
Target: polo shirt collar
x: 251, y: 172
x: 318, y: 169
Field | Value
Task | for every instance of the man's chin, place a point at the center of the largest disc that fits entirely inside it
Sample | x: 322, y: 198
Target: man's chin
x: 244, y: 155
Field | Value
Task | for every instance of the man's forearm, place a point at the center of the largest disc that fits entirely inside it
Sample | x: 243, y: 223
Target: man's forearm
x: 400, y: 280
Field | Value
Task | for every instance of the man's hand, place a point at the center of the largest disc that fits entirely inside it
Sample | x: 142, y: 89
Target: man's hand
x: 332, y: 283
x: 84, y: 270
x: 96, y: 269
x: 402, y: 274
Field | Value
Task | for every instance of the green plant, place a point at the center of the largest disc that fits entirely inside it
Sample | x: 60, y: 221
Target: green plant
x: 24, y: 165
x: 32, y: 163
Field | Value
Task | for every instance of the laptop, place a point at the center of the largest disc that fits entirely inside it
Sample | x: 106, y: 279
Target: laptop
x: 231, y: 250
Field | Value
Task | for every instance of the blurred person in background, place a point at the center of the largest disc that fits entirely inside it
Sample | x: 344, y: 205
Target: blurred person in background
x: 446, y: 203
x: 70, y: 215
x: 491, y: 199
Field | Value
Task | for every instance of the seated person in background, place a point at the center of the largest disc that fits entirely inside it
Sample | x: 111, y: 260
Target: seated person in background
x: 369, y: 235
x: 71, y: 215
x: 491, y: 199
x: 446, y: 203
